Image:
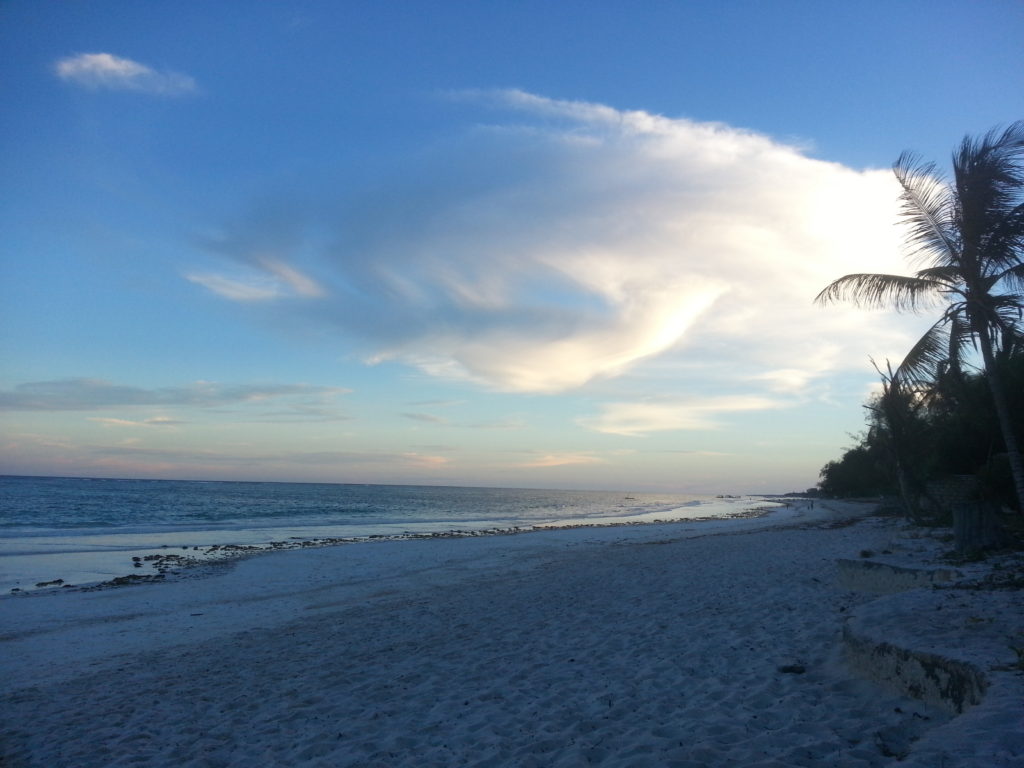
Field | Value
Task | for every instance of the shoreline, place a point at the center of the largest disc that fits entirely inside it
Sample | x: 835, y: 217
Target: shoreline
x: 126, y: 565
x: 358, y: 572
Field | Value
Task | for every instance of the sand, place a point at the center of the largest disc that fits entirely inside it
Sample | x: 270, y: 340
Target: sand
x: 663, y: 645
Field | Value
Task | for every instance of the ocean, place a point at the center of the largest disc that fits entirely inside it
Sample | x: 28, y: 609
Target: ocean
x: 60, y: 532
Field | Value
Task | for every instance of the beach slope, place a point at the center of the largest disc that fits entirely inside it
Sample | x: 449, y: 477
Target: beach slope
x: 646, y: 646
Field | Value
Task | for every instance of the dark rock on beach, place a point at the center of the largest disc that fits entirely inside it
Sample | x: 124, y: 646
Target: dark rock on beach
x: 793, y: 669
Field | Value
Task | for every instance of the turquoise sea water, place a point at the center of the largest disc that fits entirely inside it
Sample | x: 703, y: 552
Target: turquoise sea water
x: 86, y: 530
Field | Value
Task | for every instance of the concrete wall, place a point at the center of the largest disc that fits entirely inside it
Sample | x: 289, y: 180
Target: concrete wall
x: 951, y: 684
x: 937, y: 680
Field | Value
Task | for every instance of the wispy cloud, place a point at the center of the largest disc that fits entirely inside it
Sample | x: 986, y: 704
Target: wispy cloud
x: 498, y: 424
x: 428, y: 418
x: 155, y: 421
x: 563, y: 460
x: 787, y: 380
x: 431, y: 418
x: 685, y: 452
x: 300, y: 411
x: 98, y: 71
x: 570, y: 241
x: 424, y: 461
x: 88, y: 394
x: 267, y: 278
x: 636, y: 419
x: 511, y: 423
x: 250, y: 288
x: 125, y: 458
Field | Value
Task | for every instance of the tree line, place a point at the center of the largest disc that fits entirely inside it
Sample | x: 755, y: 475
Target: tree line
x: 955, y: 404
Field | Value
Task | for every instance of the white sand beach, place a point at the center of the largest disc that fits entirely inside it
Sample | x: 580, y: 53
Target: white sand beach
x: 691, y: 644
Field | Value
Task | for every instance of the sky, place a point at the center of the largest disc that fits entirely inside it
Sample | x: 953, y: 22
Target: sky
x: 532, y: 244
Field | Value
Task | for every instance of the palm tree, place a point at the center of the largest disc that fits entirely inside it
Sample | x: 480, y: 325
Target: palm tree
x: 897, y: 426
x: 969, y: 238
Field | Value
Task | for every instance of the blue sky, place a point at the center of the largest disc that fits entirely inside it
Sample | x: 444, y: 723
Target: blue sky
x: 547, y: 244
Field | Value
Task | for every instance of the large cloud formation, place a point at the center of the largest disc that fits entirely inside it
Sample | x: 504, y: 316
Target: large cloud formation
x: 572, y: 241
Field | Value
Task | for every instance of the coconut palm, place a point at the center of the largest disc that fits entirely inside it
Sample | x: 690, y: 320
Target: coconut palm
x: 968, y: 237
x: 898, y: 427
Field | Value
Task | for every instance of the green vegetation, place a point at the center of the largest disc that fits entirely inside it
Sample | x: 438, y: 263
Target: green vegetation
x: 914, y: 439
x: 935, y: 416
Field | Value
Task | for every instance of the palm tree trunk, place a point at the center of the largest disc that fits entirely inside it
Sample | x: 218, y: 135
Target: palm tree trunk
x: 995, y: 383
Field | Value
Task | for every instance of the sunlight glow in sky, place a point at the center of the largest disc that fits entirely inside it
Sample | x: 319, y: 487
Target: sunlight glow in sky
x: 528, y: 244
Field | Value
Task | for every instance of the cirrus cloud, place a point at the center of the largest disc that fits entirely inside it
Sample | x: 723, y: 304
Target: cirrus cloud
x: 266, y: 278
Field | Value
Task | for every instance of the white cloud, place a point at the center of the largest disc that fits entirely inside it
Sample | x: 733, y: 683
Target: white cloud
x: 636, y: 419
x: 574, y: 241
x: 268, y: 279
x: 564, y: 460
x: 254, y: 289
x: 424, y: 461
x: 427, y: 418
x: 298, y: 283
x: 155, y: 421
x: 106, y: 71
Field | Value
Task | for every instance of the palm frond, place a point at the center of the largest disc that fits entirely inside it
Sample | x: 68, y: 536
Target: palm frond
x: 875, y: 290
x: 992, y: 159
x: 1013, y: 278
x: 1007, y: 313
x: 1004, y: 243
x: 899, y: 400
x: 1011, y: 343
x: 951, y: 277
x: 989, y: 182
x: 922, y: 363
x: 928, y: 209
